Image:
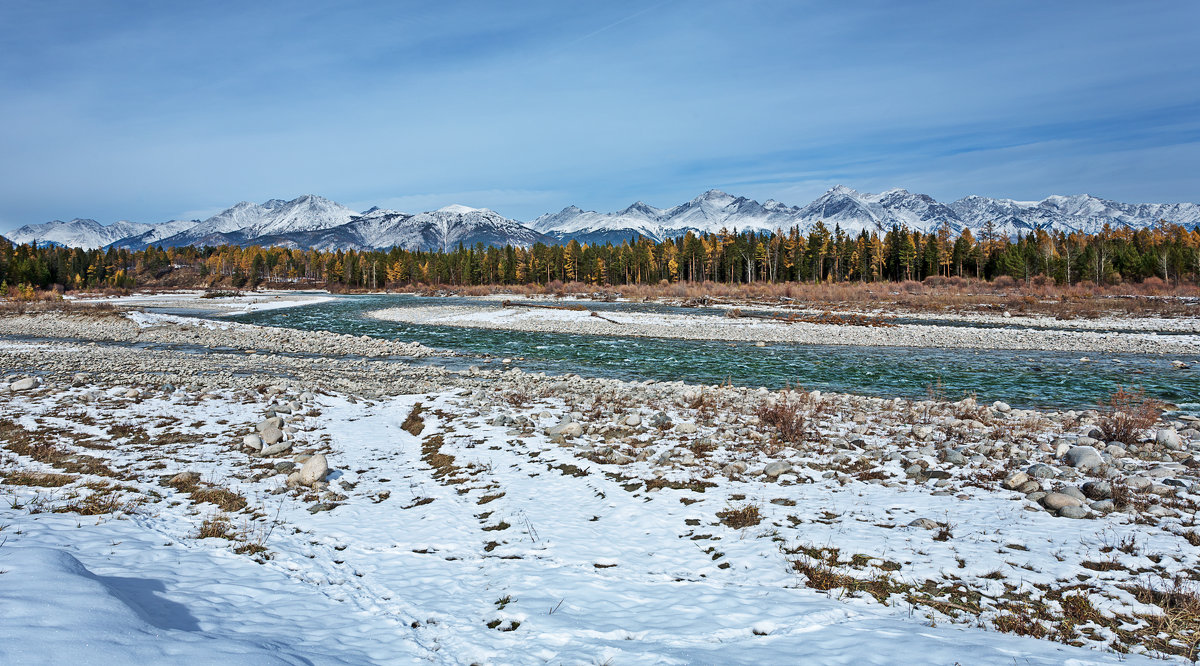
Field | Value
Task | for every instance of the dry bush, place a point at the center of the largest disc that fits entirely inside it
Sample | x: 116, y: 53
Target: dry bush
x: 786, y: 417
x: 1126, y: 415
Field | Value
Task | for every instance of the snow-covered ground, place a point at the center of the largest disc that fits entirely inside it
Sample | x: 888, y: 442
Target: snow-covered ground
x: 459, y: 540
x: 243, y: 302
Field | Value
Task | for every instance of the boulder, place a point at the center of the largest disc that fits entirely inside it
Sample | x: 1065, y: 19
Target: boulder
x: 272, y: 422
x: 686, y: 428
x: 1084, y: 457
x: 773, y: 470
x: 1001, y: 407
x: 271, y: 436
x: 1073, y: 512
x: 1016, y: 480
x: 252, y: 442
x: 275, y: 449
x: 1041, y: 471
x: 1056, y: 501
x: 1138, y: 482
x: 633, y: 420
x: 566, y: 429
x: 24, y: 384
x: 1168, y: 439
x: 314, y: 470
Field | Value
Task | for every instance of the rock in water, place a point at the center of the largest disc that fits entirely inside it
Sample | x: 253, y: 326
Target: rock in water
x: 314, y: 470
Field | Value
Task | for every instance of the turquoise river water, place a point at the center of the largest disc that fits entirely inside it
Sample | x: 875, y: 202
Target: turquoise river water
x: 1021, y: 378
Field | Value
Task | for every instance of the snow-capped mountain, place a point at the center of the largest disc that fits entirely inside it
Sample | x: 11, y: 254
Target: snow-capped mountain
x: 442, y: 229
x: 246, y: 222
x: 855, y: 211
x: 87, y: 234
x: 312, y: 221
x: 710, y: 212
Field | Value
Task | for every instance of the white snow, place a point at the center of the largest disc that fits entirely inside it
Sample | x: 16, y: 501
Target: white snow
x: 591, y: 571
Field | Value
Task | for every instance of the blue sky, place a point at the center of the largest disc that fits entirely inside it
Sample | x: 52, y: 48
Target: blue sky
x: 150, y: 111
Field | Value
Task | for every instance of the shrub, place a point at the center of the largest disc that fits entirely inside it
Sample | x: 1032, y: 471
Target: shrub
x: 1126, y: 415
x: 787, y: 419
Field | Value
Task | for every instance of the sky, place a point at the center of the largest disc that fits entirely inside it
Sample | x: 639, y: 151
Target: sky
x: 150, y: 111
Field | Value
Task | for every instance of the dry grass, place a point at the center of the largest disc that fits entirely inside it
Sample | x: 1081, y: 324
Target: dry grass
x: 39, y: 479
x: 1127, y: 415
x: 215, y: 527
x: 414, y: 423
x: 225, y: 499
x: 740, y: 517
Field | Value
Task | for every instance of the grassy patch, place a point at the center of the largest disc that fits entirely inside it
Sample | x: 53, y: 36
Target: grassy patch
x: 740, y: 517
x: 39, y: 479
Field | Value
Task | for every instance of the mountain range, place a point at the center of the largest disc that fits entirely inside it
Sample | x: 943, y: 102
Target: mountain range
x: 315, y: 222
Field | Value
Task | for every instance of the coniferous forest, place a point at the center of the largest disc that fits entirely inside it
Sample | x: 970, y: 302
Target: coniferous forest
x: 1113, y: 256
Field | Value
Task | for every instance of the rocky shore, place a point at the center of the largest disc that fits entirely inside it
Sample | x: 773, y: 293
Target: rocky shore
x: 700, y: 327
x: 875, y: 497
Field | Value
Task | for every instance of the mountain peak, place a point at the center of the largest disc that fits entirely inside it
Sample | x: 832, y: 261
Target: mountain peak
x: 458, y: 209
x: 842, y: 190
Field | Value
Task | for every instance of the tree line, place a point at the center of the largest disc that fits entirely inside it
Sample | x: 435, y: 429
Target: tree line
x: 1166, y: 251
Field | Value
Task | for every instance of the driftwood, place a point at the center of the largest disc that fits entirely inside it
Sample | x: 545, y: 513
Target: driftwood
x: 511, y: 304
x: 600, y: 316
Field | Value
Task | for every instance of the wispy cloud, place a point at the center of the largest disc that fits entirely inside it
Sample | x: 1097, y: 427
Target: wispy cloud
x: 113, y: 111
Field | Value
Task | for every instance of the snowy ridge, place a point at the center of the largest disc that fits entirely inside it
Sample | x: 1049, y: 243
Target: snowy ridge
x: 855, y: 212
x: 311, y: 221
x: 84, y: 233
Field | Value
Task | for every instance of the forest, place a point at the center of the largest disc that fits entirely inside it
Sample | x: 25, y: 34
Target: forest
x: 1112, y: 256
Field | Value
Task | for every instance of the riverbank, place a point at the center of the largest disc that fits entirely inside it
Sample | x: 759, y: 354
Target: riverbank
x: 195, y: 300
x: 746, y: 329
x: 458, y: 507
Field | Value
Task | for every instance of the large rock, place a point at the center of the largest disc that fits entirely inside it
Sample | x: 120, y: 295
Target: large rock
x: 273, y: 422
x: 275, y: 449
x: 252, y: 442
x: 271, y: 436
x: 1056, y: 501
x: 1016, y: 480
x: 566, y: 429
x: 1168, y: 439
x: 24, y: 384
x: 314, y: 470
x: 773, y: 470
x: 633, y: 420
x: 686, y: 428
x: 1073, y: 512
x: 1084, y: 457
